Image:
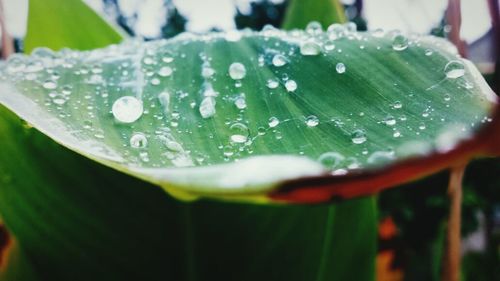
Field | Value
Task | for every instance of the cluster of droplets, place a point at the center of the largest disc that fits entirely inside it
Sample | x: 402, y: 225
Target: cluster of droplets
x: 133, y: 105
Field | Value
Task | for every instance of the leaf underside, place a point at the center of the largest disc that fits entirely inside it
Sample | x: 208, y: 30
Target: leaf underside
x: 353, y: 100
x: 75, y: 220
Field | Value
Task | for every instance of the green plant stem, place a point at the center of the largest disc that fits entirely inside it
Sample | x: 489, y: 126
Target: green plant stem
x: 451, y: 263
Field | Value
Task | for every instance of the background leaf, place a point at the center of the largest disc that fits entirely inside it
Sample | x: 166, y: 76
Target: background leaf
x: 300, y: 12
x: 63, y: 24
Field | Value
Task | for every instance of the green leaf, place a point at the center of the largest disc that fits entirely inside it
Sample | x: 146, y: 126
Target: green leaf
x: 219, y: 115
x: 300, y: 12
x: 76, y: 220
x: 107, y: 226
x: 61, y: 24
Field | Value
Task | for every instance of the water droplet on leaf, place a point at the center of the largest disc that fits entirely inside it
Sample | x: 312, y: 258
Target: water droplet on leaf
x: 164, y: 99
x: 454, y: 69
x: 138, y: 140
x: 207, y: 72
x: 279, y: 60
x: 272, y: 84
x: 167, y: 59
x: 59, y: 100
x: 237, y: 71
x: 233, y: 35
x: 66, y: 90
x: 314, y: 28
x: 127, y: 109
x: 240, y: 102
x: 358, y: 137
x: 351, y: 26
x: 239, y: 133
x: 291, y: 85
x: 310, y: 48
x: 207, y: 107
x: 380, y: 157
x: 261, y: 131
x: 312, y: 121
x: 148, y: 60
x: 273, y: 122
x: 15, y: 63
x: 329, y: 45
x: 49, y: 84
x: 165, y: 71
x: 155, y: 81
x: 390, y: 120
x: 340, y: 68
x: 228, y: 151
x: 399, y: 42
x: 331, y: 160
x: 336, y: 30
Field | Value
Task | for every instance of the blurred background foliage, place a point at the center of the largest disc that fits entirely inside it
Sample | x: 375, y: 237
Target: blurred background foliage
x: 412, y: 216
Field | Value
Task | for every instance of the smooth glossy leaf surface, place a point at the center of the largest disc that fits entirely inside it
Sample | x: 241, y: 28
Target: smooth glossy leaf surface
x: 238, y: 114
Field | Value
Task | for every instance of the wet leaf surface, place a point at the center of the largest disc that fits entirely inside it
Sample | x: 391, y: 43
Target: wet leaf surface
x: 238, y: 113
